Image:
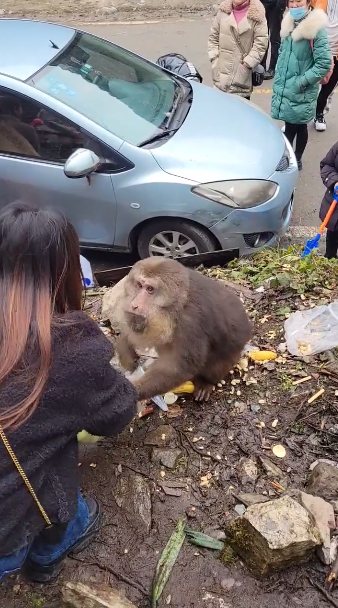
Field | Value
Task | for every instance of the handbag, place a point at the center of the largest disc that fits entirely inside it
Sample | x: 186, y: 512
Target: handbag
x: 328, y: 75
x: 52, y: 533
x: 258, y: 72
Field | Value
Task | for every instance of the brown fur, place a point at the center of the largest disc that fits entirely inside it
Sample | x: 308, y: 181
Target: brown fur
x: 197, y: 325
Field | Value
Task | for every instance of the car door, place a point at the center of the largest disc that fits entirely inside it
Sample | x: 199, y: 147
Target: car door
x: 35, y: 142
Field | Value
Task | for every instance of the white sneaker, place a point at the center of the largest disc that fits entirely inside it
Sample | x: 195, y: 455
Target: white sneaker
x: 320, y: 123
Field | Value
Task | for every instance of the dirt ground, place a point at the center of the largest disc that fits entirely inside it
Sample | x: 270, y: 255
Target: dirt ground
x: 212, y: 441
x: 101, y: 10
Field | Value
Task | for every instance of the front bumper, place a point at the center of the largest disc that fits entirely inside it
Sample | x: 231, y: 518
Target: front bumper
x: 249, y: 230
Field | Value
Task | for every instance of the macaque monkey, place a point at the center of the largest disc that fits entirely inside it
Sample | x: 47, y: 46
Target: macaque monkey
x: 197, y: 325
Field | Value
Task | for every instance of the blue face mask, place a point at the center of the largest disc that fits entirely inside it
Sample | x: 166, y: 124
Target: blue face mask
x: 298, y: 13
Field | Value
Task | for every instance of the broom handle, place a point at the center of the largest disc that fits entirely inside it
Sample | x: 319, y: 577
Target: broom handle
x: 329, y: 213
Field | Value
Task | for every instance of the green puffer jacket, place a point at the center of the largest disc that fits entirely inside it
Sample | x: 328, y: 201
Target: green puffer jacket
x: 300, y: 68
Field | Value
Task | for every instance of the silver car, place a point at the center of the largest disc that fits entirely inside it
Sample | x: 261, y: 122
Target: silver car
x: 136, y: 157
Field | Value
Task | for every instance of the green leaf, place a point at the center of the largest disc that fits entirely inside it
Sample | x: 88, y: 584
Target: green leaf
x: 203, y: 540
x: 167, y: 560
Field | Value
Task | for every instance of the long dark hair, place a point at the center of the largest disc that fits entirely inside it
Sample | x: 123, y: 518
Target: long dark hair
x: 40, y: 279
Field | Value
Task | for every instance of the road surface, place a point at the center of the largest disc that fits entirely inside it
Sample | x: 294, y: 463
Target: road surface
x: 189, y: 37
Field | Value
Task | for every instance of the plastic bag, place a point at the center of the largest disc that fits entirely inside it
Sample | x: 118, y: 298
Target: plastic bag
x: 312, y: 331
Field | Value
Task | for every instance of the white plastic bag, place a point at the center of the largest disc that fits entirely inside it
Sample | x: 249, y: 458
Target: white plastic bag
x: 87, y: 272
x: 312, y: 331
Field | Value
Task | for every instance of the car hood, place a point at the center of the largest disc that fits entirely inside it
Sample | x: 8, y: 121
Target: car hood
x: 223, y: 137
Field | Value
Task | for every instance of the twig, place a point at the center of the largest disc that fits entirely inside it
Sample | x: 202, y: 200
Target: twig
x: 315, y: 428
x: 122, y: 577
x: 200, y: 453
x: 332, y: 576
x: 324, y: 592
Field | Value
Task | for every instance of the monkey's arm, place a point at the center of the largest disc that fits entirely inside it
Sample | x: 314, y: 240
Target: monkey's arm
x: 127, y: 354
x: 166, y: 373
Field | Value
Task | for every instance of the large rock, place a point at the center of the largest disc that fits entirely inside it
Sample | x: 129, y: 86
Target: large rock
x: 323, y: 515
x: 163, y: 435
x: 79, y: 595
x: 111, y: 304
x: 323, y: 481
x: 132, y: 494
x: 273, y: 536
x: 168, y: 457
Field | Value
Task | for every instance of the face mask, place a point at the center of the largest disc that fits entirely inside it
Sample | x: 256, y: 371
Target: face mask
x: 297, y: 13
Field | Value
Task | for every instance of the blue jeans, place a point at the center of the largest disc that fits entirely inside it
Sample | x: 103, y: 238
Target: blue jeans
x: 42, y: 554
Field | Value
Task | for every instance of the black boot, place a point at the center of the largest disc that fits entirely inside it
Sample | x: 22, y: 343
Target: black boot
x: 269, y: 74
x: 43, y: 574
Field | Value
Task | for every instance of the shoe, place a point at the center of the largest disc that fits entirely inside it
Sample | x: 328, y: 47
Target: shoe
x: 320, y: 123
x: 269, y: 74
x: 43, y: 574
x: 300, y: 164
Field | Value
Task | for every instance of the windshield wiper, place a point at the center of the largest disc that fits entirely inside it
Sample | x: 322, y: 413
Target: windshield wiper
x: 158, y: 137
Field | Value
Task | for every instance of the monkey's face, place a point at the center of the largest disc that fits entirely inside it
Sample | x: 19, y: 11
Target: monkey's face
x: 144, y: 299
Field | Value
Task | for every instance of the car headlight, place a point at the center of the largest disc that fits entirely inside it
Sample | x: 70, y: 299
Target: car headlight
x: 242, y: 193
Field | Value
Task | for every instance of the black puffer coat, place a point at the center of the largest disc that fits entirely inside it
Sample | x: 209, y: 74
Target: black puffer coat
x: 83, y: 392
x: 329, y: 175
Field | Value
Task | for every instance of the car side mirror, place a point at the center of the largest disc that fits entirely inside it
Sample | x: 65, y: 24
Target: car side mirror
x: 81, y: 163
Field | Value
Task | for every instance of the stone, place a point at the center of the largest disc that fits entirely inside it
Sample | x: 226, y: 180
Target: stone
x: 248, y: 498
x: 247, y: 471
x: 227, y: 583
x: 111, y: 304
x: 168, y: 457
x: 163, y: 435
x: 323, y: 482
x: 240, y: 509
x: 274, y: 535
x: 271, y: 469
x: 132, y: 494
x: 215, y: 533
x: 323, y: 515
x: 80, y: 595
x: 210, y: 600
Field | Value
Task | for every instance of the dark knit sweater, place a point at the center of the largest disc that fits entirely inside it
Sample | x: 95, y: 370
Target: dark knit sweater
x: 83, y: 392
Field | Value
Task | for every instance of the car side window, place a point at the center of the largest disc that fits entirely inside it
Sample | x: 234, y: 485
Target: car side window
x: 27, y: 129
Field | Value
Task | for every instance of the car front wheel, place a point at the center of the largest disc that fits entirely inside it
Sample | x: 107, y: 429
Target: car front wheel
x: 174, y: 239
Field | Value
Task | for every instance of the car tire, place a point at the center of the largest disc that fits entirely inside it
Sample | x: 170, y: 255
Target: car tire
x: 202, y: 240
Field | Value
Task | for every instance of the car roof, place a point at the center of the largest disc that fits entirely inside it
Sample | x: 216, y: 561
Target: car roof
x: 26, y: 46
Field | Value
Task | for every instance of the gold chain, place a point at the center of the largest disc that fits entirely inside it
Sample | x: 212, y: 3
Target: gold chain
x: 24, y: 476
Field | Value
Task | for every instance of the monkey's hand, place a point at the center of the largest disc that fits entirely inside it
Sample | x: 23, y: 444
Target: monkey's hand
x: 163, y: 375
x: 128, y: 357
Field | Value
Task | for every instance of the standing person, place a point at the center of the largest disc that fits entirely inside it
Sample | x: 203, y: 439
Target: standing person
x: 304, y: 59
x: 237, y: 44
x: 331, y: 8
x: 329, y: 175
x: 274, y: 10
x: 55, y: 380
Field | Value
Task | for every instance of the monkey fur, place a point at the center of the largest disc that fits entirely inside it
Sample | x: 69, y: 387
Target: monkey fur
x: 197, y: 325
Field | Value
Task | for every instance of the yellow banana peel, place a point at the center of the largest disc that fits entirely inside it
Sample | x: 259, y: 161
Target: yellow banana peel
x: 186, y: 388
x: 262, y: 355
x: 85, y: 437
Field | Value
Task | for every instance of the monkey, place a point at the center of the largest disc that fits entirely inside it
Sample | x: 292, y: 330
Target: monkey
x: 198, y: 327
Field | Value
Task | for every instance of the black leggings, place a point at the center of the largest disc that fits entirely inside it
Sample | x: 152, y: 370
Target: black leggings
x: 299, y: 132
x: 331, y: 244
x: 327, y: 89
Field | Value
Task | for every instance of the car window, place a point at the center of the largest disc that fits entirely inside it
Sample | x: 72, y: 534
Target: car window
x: 27, y: 129
x: 121, y: 92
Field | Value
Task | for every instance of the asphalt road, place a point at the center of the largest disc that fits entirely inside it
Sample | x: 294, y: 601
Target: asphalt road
x: 189, y: 37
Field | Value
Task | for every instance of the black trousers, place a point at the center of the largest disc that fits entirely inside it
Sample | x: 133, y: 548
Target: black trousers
x: 274, y: 17
x: 331, y: 244
x: 300, y: 133
x: 327, y: 89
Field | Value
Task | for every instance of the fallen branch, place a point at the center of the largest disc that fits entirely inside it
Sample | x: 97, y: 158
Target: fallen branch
x: 324, y: 592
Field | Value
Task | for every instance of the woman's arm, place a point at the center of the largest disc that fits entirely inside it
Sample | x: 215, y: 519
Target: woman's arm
x: 213, y: 40
x: 260, y: 44
x: 328, y: 171
x: 322, y: 58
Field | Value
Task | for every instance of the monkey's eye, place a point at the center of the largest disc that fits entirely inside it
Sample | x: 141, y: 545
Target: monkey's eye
x: 150, y: 289
x: 139, y: 285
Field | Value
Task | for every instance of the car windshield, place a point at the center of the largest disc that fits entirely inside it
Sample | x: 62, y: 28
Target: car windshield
x: 119, y: 91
